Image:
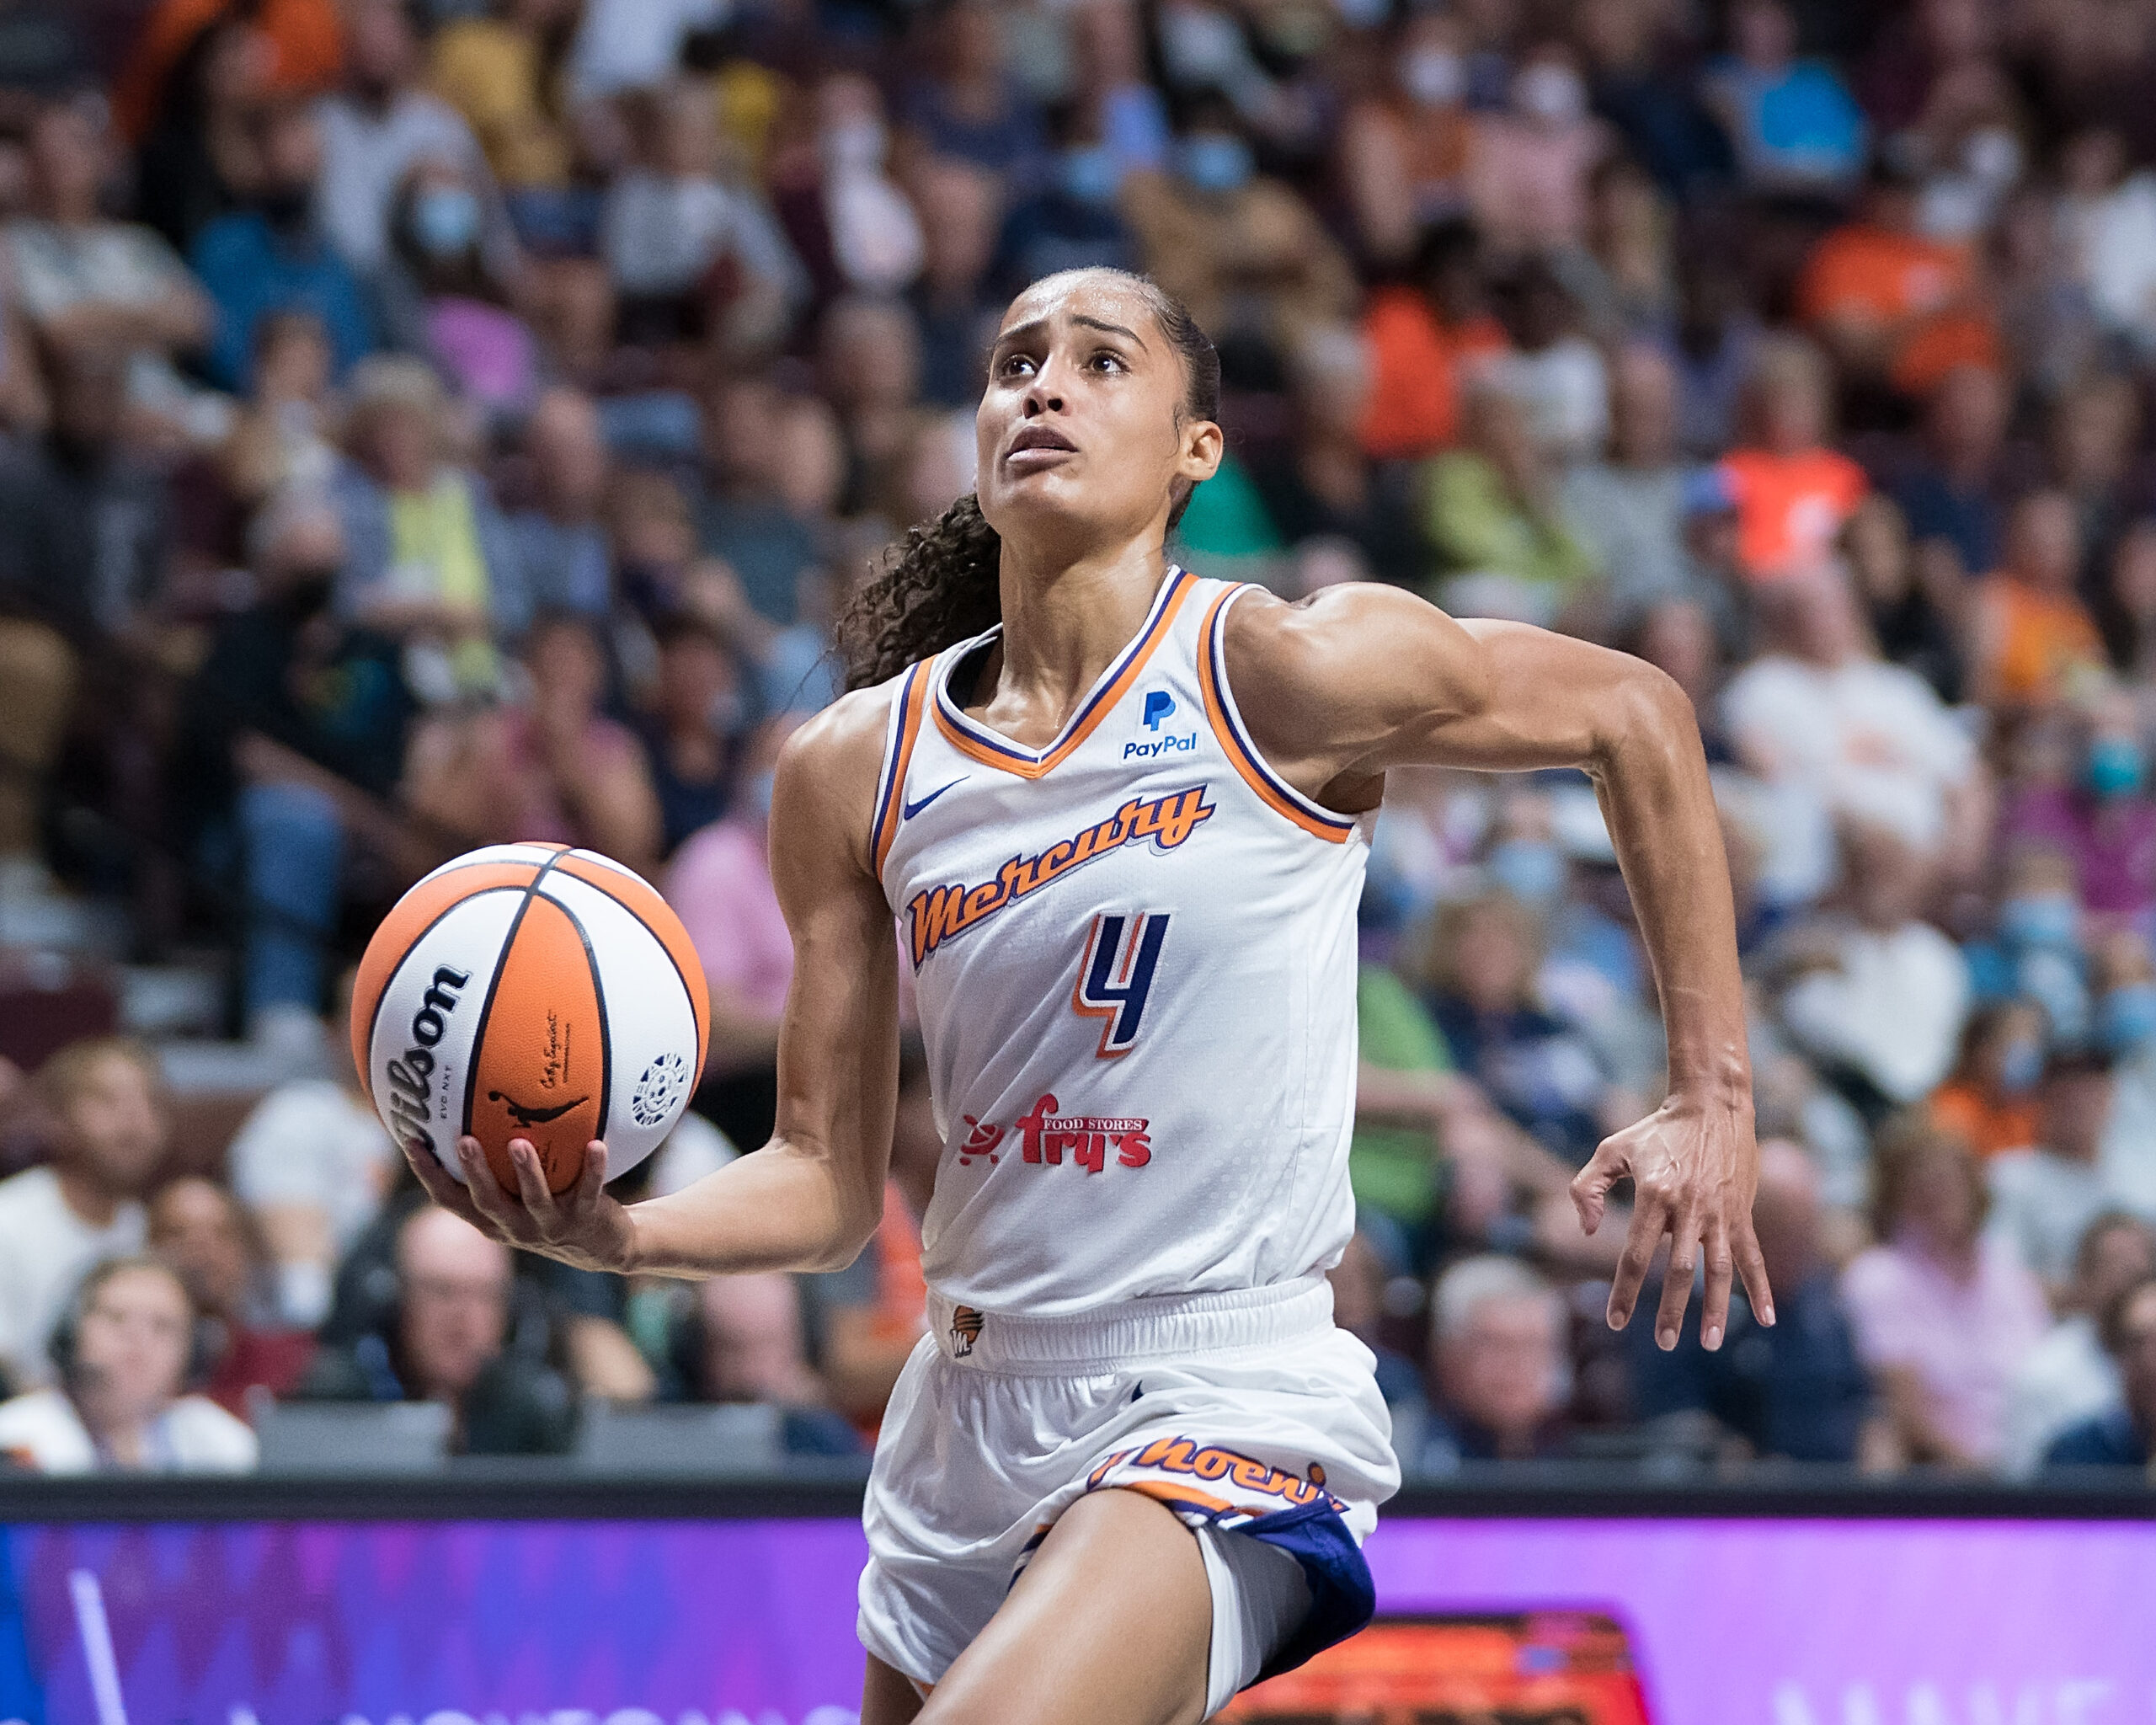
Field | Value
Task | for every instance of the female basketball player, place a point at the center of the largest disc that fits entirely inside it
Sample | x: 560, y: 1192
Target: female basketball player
x: 1121, y: 816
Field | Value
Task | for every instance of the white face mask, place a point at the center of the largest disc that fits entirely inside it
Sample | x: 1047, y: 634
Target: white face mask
x: 1992, y: 155
x: 1434, y: 77
x: 1551, y: 93
x: 855, y: 143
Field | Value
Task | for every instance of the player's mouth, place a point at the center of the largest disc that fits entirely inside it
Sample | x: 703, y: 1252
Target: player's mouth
x: 1036, y: 447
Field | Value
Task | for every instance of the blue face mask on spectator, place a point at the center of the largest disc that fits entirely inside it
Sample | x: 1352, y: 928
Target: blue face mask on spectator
x: 2125, y: 1017
x: 446, y: 219
x: 1215, y: 162
x: 2021, y: 1064
x: 2040, y: 919
x: 1090, y: 175
x: 2115, y: 766
x: 1530, y: 870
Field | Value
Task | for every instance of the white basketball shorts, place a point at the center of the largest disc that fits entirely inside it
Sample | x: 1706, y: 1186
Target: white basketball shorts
x: 1248, y: 1414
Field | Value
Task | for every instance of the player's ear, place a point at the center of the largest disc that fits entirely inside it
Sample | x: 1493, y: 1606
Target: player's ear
x: 1199, y: 457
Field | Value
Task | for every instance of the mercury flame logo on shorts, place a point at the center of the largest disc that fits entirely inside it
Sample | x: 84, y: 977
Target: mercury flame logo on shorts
x: 411, y: 1076
x: 942, y: 913
x: 965, y: 1330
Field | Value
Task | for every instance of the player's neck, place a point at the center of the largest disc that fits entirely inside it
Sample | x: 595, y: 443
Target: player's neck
x: 1065, y: 620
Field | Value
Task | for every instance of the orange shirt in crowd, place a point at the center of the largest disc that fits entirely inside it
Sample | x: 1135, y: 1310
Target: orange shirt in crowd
x: 1903, y: 284
x: 2038, y: 641
x: 307, y: 34
x: 1790, y: 508
x: 1991, y: 1128
x: 1414, y: 405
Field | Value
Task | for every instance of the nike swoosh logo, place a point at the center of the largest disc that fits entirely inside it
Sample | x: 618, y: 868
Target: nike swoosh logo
x: 913, y: 808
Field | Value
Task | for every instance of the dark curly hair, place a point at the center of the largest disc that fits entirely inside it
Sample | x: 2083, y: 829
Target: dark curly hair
x: 940, y: 586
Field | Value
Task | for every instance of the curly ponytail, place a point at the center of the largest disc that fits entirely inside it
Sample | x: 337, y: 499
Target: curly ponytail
x: 941, y: 586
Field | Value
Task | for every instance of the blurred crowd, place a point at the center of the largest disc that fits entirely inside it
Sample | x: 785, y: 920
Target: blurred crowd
x: 429, y: 423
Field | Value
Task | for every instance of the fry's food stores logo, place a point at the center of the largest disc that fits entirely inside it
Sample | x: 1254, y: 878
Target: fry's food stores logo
x: 1045, y: 1138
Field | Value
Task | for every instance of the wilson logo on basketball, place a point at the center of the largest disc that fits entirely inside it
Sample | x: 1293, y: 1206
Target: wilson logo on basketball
x: 411, y: 1078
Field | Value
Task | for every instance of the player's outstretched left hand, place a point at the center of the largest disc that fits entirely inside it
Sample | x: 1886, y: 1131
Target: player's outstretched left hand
x: 1694, y: 1168
x: 582, y: 1226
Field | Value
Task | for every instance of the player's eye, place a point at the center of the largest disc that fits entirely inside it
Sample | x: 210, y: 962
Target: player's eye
x: 1108, y: 359
x: 1014, y: 366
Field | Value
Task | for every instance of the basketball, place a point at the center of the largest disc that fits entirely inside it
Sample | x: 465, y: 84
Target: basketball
x: 532, y: 991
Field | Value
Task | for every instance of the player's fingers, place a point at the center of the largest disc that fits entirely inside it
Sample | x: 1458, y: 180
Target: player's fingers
x: 1590, y: 1186
x: 497, y: 1212
x: 440, y: 1184
x: 1650, y: 1217
x: 1752, y: 1265
x: 591, y: 1180
x: 1676, y: 1279
x: 532, y: 1181
x: 1721, y: 1267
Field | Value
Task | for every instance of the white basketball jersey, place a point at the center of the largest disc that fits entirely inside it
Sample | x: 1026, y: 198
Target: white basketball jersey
x: 1135, y: 956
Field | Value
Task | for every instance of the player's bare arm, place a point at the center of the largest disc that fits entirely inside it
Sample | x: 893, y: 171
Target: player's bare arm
x: 1362, y: 678
x: 812, y: 1197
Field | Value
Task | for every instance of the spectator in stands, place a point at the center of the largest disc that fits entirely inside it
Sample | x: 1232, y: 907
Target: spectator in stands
x: 554, y: 768
x: 1239, y: 247
x: 86, y: 282
x: 721, y: 883
x: 1492, y: 515
x: 694, y: 731
x: 2124, y: 1436
x: 2033, y: 640
x: 1795, y: 1391
x: 848, y: 221
x: 1499, y: 1368
x: 381, y: 127
x: 198, y: 1228
x: 2068, y: 1377
x: 502, y: 69
x: 205, y: 154
x: 426, y: 557
x: 969, y: 106
x: 1792, y: 493
x: 1793, y: 122
x: 560, y: 541
x: 1480, y: 971
x: 689, y: 251
x: 1359, y: 1287
x: 754, y: 1351
x: 86, y: 549
x: 961, y: 206
x: 1714, y: 347
x: 108, y: 1126
x: 1531, y: 158
x: 1552, y: 370
x: 1820, y: 716
x: 124, y: 1353
x: 1070, y: 222
x: 270, y: 256
x: 1913, y: 597
x: 1881, y: 994
x: 1989, y: 1099
x: 745, y: 517
x: 2103, y: 820
x: 1628, y: 510
x: 442, y: 295
x: 449, y: 1339
x: 291, y: 726
x: 1944, y: 1313
x: 868, y: 362
x: 2126, y: 606
x: 2044, y: 1197
x: 313, y: 1164
x: 2091, y: 449
x: 1952, y: 495
x: 1421, y: 334
x: 1404, y: 147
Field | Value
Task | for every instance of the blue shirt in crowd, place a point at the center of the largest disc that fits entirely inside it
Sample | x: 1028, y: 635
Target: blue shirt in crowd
x: 252, y: 269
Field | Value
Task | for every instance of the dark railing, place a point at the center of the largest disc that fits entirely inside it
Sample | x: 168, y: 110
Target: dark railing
x: 543, y: 1490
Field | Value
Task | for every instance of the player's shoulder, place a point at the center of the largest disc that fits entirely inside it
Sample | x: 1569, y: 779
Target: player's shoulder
x: 846, y: 735
x: 1273, y: 643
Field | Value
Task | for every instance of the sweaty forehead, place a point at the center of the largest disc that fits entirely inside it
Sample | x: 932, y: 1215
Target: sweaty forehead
x: 1082, y: 293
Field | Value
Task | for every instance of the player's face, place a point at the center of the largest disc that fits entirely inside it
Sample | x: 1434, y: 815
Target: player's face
x: 1081, y: 424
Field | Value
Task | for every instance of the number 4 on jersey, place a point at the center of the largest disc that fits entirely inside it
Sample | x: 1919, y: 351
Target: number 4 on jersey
x: 1116, y: 975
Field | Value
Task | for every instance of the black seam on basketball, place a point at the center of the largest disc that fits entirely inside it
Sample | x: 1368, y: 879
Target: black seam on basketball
x: 495, y: 982
x: 598, y: 994
x: 381, y: 995
x: 697, y: 1020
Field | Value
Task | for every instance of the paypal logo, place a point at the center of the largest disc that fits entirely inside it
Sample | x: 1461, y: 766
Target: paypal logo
x: 1159, y: 704
x: 1187, y: 744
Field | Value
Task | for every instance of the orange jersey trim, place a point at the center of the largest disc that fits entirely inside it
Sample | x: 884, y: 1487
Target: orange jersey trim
x: 1168, y: 1493
x: 1240, y: 754
x: 977, y: 743
x: 912, y: 699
